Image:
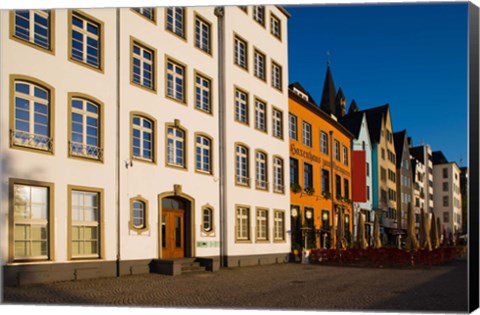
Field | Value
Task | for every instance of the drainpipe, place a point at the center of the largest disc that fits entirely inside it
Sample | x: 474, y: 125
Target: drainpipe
x: 117, y: 157
x: 220, y: 12
x: 331, y: 189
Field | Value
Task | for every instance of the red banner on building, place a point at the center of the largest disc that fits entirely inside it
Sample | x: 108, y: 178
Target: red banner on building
x: 359, y: 176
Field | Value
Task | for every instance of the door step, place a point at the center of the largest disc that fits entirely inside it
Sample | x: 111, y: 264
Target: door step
x: 176, y: 267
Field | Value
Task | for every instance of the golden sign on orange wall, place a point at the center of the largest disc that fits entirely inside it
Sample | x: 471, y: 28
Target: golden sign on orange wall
x: 307, y: 155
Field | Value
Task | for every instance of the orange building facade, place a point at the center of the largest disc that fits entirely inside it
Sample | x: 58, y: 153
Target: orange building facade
x: 320, y: 175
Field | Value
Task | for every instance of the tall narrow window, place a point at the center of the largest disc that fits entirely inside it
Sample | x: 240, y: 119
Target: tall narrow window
x: 85, y: 224
x: 346, y: 189
x: 262, y: 225
x: 261, y: 179
x: 278, y: 225
x: 345, y: 155
x: 175, y: 147
x: 207, y: 219
x: 292, y: 127
x: 202, y: 35
x: 277, y: 123
x: 143, y: 62
x: 243, y: 224
x: 337, y: 149
x: 276, y: 76
x: 176, y: 81
x: 325, y: 181
x: 259, y: 66
x: 203, y: 148
x: 323, y: 142
x: 307, y: 134
x: 278, y: 180
x: 260, y: 115
x: 175, y: 21
x: 85, y: 129
x: 338, y: 186
x: 294, y: 179
x: 33, y: 26
x: 241, y: 166
x: 259, y: 14
x: 240, y: 52
x: 148, y: 13
x: 31, y: 225
x: 203, y: 97
x: 32, y: 122
x: 241, y: 106
x: 275, y: 26
x: 85, y: 40
x: 307, y: 175
x: 142, y: 138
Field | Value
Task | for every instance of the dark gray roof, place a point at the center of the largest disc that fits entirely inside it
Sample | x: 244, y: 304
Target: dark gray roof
x: 299, y: 87
x: 353, y: 122
x: 439, y: 158
x: 399, y: 139
x: 327, y: 103
x: 418, y: 153
x: 374, y: 119
x: 353, y: 107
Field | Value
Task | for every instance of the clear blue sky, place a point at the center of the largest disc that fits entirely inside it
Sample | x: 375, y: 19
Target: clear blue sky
x: 412, y: 56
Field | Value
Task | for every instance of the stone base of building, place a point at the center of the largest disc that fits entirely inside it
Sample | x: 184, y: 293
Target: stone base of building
x: 253, y: 260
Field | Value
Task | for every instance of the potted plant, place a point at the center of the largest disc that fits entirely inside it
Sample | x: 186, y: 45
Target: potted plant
x: 326, y: 194
x: 309, y: 191
x: 339, y: 198
x: 295, y: 187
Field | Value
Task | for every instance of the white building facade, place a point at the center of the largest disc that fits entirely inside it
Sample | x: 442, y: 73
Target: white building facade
x: 111, y: 139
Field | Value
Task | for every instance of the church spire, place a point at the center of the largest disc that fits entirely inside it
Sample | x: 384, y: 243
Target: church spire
x: 327, y: 103
x: 353, y: 107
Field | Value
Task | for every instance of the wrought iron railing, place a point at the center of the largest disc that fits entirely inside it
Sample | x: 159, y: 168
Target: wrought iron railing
x: 31, y: 140
x: 84, y: 150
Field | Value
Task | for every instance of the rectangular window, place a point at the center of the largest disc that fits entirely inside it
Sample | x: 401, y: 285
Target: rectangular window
x: 368, y: 193
x: 85, y: 40
x: 203, y: 151
x: 445, y: 201
x: 325, y: 181
x: 338, y: 186
x: 202, y: 35
x: 383, y: 174
x: 262, y: 225
x: 31, y: 212
x: 275, y: 26
x: 203, y: 93
x: 278, y: 225
x: 325, y: 220
x: 176, y: 147
x: 176, y: 78
x: 277, y: 76
x: 261, y: 178
x: 85, y: 129
x: 175, y: 21
x: 368, y: 169
x: 241, y: 106
x: 85, y: 223
x: 445, y: 172
x: 446, y: 217
x: 337, y: 149
x: 323, y: 142
x: 292, y: 127
x: 240, y: 52
x: 278, y: 181
x: 259, y: 14
x: 33, y: 26
x: 143, y: 65
x: 142, y: 138
x: 307, y: 134
x: 243, y: 224
x: 445, y: 186
x: 277, y: 123
x: 346, y: 189
x: 259, y: 65
x: 307, y: 176
x: 294, y: 171
x: 345, y: 156
x: 383, y: 154
x: 148, y: 13
x: 241, y: 166
x: 260, y: 115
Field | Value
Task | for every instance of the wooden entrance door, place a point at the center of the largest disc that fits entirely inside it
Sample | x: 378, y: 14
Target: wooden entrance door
x: 173, y: 236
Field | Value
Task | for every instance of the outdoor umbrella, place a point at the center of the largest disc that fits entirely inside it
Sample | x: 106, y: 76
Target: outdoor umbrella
x: 426, y: 228
x: 361, y: 241
x: 412, y: 243
x: 439, y: 229
x: 377, y: 243
x: 433, y: 233
x: 421, y: 229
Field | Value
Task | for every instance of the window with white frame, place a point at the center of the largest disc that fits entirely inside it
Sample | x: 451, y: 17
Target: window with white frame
x: 278, y: 225
x: 203, y: 150
x: 202, y: 35
x: 242, y: 224
x: 259, y: 14
x: 175, y: 146
x: 175, y: 81
x: 241, y: 106
x: 323, y: 142
x: 445, y: 201
x: 345, y: 155
x: 175, y: 21
x: 143, y: 66
x: 142, y: 138
x: 33, y: 26
x: 203, y: 97
x: 260, y: 115
x: 85, y: 220
x: 307, y: 134
x: 85, y: 129
x: 275, y: 26
x: 276, y: 76
x: 149, y: 13
x: 241, y: 166
x: 32, y: 122
x: 337, y: 149
x: 241, y: 52
x: 277, y: 123
x: 138, y: 214
x: 85, y: 40
x: 31, y: 226
x: 292, y: 126
x: 278, y: 178
x: 259, y: 65
x: 261, y: 179
x: 262, y: 225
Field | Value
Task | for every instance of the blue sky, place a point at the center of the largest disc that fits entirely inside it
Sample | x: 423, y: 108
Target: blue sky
x: 412, y: 56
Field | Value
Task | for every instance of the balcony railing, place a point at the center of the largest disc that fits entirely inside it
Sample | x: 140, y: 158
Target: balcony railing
x: 242, y: 180
x: 83, y: 150
x: 31, y: 140
x: 261, y: 184
x: 279, y: 188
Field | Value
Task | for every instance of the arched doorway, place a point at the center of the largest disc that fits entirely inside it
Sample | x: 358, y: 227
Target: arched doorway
x: 175, y: 227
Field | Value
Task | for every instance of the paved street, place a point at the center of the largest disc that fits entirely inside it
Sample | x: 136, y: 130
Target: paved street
x: 285, y: 286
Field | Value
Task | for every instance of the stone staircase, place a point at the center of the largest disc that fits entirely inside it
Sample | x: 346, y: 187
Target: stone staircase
x: 175, y: 267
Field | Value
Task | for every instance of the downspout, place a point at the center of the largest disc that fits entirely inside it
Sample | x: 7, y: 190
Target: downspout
x: 117, y: 157
x: 220, y: 12
x: 331, y: 189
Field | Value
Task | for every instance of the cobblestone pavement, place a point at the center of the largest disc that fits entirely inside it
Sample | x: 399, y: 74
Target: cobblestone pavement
x: 283, y: 286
